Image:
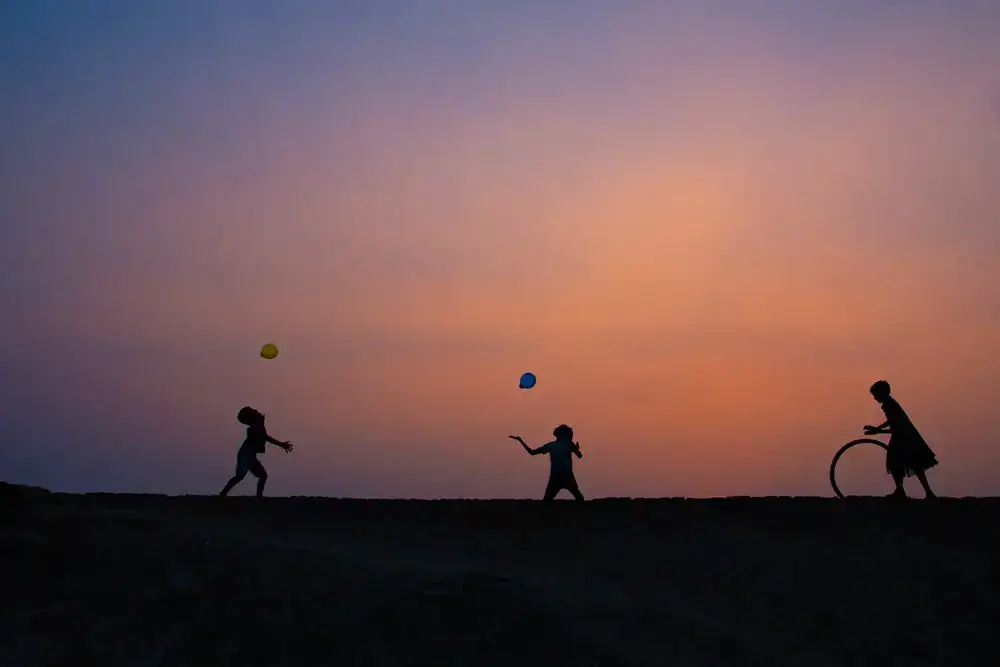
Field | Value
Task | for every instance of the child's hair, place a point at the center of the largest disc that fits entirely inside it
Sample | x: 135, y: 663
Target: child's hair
x: 563, y: 432
x: 246, y: 415
x: 880, y: 388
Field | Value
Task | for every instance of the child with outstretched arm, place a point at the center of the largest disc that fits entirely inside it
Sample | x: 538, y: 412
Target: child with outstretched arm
x: 246, y: 459
x: 561, y: 452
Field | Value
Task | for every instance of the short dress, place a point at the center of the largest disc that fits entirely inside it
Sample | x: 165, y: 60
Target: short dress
x: 908, y: 452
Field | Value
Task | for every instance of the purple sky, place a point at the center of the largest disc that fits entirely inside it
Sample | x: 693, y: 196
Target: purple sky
x: 706, y: 226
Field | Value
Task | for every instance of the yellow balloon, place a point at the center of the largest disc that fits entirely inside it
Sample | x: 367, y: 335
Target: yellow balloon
x: 269, y: 351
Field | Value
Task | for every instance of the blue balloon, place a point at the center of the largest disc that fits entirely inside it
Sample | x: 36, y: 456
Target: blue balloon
x: 527, y: 381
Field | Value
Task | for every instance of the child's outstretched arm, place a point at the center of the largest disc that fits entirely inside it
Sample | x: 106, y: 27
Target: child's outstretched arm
x: 537, y: 450
x: 881, y: 428
x: 287, y: 446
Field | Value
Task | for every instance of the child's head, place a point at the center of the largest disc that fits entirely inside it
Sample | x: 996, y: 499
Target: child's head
x: 248, y: 416
x: 563, y: 432
x: 880, y: 390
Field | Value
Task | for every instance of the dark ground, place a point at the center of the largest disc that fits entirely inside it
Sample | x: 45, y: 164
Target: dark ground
x: 151, y: 580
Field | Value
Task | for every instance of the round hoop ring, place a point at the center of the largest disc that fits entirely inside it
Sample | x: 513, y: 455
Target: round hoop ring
x: 840, y: 452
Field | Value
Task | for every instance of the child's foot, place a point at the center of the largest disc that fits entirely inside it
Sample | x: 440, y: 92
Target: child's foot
x: 898, y: 493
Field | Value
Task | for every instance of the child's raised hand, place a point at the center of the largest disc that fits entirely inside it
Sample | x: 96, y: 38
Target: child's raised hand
x: 287, y: 446
x: 870, y: 430
x: 515, y: 437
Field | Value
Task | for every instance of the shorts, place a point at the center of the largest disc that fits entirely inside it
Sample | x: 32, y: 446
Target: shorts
x: 248, y: 463
x: 560, y: 481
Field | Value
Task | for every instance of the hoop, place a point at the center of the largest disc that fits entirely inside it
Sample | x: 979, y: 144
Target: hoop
x: 840, y: 452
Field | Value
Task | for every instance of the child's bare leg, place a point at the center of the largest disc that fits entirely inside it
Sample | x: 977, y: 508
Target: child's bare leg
x: 261, y: 481
x: 898, y: 477
x: 574, y: 489
x: 230, y: 484
x: 922, y: 477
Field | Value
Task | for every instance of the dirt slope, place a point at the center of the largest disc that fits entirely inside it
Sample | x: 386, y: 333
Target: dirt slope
x: 152, y: 580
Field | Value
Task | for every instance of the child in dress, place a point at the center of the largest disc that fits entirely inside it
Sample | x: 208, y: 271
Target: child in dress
x: 908, y: 453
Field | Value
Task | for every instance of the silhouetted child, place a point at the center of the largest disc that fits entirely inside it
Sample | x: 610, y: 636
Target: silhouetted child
x: 246, y: 460
x: 908, y: 453
x: 560, y: 452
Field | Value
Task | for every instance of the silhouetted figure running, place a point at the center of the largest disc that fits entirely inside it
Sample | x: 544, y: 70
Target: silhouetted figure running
x: 908, y: 453
x: 246, y: 460
x: 560, y: 452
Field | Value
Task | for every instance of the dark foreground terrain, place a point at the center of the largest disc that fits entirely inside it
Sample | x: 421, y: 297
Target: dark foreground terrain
x: 151, y: 580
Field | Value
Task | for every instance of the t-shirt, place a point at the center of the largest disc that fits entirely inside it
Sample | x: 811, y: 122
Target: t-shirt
x: 255, y: 441
x: 560, y: 456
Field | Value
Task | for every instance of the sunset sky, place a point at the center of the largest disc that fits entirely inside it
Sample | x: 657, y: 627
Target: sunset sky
x: 707, y: 226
